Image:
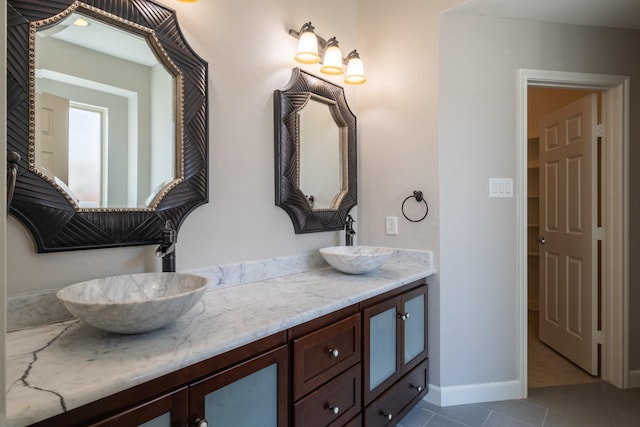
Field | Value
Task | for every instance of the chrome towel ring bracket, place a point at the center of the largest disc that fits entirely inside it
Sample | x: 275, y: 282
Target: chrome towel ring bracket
x: 420, y: 199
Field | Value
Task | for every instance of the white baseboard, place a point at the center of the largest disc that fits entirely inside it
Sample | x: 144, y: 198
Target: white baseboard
x: 473, y: 393
x: 634, y: 379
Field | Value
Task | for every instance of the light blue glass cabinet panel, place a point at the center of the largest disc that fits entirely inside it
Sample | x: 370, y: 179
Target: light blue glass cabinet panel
x: 163, y: 420
x: 252, y: 401
x: 414, y: 328
x: 382, y: 347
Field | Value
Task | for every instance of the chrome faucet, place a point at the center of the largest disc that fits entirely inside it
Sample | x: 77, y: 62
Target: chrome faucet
x: 349, y: 232
x: 167, y: 249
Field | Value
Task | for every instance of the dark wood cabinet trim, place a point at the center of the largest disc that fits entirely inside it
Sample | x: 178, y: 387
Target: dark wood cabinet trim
x: 278, y: 356
x: 320, y: 322
x: 390, y: 294
x: 176, y: 403
x: 313, y: 365
x: 127, y: 399
x: 399, y: 399
x: 421, y: 356
x: 367, y: 314
x: 342, y: 392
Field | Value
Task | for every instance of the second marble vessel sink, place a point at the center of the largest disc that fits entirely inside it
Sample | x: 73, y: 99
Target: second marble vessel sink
x: 356, y: 259
x: 133, y: 303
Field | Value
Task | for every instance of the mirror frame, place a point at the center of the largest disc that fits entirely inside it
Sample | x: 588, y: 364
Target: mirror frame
x: 288, y: 102
x: 55, y: 224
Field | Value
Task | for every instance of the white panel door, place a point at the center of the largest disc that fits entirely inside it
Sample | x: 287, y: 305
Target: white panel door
x: 568, y: 218
x: 52, y: 135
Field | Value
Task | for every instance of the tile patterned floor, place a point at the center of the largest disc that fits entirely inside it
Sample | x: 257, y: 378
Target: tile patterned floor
x: 583, y: 405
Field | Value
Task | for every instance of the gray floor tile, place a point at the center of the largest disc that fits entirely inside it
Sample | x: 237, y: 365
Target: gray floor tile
x: 471, y: 415
x: 418, y: 417
x: 522, y: 410
x: 585, y: 405
x: 497, y: 419
x: 440, y: 421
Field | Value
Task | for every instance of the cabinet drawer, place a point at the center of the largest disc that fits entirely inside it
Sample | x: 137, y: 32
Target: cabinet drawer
x: 325, y: 353
x: 394, y: 403
x: 332, y: 404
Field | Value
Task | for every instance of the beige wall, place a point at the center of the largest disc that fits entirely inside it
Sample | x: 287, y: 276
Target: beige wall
x: 250, y: 54
x: 480, y: 58
x: 399, y: 131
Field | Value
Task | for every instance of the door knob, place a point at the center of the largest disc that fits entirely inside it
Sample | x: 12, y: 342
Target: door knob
x: 541, y: 240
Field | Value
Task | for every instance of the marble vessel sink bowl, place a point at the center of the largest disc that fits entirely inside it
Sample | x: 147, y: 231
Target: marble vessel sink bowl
x: 134, y: 303
x: 356, y: 259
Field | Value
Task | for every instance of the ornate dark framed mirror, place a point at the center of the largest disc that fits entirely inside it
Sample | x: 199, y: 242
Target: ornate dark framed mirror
x: 108, y: 110
x: 315, y: 153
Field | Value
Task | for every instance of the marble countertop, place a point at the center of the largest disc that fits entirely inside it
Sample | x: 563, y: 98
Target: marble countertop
x: 58, y: 367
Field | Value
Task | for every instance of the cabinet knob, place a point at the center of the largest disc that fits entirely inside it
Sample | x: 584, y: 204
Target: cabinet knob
x: 334, y: 410
x: 404, y: 316
x: 387, y: 416
x: 334, y: 352
x: 417, y: 388
x: 201, y: 423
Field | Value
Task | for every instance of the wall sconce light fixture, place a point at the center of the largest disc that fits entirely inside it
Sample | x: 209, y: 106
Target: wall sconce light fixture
x: 311, y: 47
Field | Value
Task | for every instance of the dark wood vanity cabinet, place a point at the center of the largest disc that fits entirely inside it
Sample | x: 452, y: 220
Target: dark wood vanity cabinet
x: 169, y: 410
x: 326, y: 380
x: 364, y: 365
x: 395, y: 366
x: 245, y: 385
x: 252, y: 393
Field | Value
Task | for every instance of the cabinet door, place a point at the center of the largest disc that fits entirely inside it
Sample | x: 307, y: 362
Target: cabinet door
x: 251, y: 394
x: 166, y: 411
x: 382, y: 358
x: 414, y: 318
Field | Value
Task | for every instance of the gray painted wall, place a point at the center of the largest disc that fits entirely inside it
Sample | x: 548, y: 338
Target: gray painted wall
x: 480, y: 57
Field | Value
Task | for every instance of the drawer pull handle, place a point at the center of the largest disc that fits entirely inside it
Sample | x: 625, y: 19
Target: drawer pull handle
x: 334, y: 410
x: 418, y: 388
x: 334, y: 352
x: 404, y: 316
x: 387, y: 416
x: 201, y: 423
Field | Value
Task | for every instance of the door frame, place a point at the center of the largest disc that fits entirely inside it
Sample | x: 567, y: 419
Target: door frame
x: 615, y: 215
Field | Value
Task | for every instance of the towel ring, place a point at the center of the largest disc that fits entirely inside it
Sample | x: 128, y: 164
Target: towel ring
x: 419, y: 198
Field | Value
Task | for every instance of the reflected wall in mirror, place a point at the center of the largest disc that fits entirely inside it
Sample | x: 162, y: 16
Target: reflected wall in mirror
x: 320, y: 150
x: 104, y: 112
x: 315, y: 153
x: 110, y: 120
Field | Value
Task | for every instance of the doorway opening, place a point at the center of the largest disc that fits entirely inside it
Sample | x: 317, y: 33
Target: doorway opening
x: 548, y: 364
x: 613, y: 340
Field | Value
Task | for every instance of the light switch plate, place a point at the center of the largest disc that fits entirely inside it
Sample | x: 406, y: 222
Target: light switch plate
x: 391, y: 223
x: 500, y: 187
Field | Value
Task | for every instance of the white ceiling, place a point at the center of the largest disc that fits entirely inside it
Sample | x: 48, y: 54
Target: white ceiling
x: 601, y: 13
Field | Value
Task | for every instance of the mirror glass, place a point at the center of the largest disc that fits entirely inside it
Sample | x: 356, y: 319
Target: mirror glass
x: 104, y: 114
x: 321, y: 172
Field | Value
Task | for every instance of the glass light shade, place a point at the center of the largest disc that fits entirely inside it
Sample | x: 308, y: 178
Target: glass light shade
x: 355, y: 72
x: 332, y: 63
x: 308, y: 48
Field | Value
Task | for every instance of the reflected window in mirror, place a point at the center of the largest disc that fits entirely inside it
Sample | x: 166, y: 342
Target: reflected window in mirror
x: 98, y: 72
